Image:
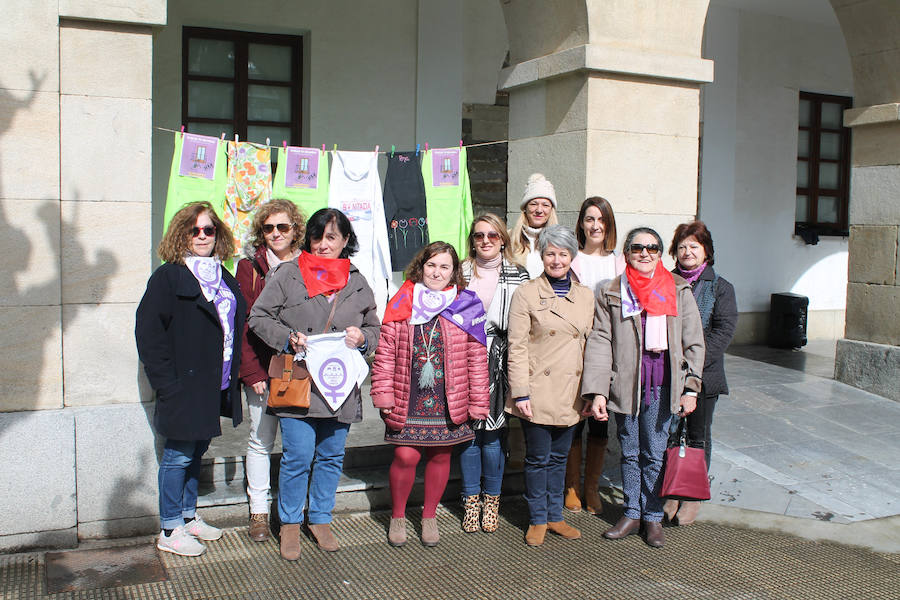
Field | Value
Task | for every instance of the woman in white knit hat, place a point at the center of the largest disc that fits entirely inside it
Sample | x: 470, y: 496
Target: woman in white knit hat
x: 538, y: 210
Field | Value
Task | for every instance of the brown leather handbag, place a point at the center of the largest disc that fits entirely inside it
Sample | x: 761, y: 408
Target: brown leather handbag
x: 289, y: 383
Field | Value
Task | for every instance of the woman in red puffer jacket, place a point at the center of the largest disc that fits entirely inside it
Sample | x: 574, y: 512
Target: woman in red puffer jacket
x: 429, y: 379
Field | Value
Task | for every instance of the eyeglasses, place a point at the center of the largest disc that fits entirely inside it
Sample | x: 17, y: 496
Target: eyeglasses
x: 491, y: 235
x: 651, y: 249
x: 208, y: 230
x: 282, y: 227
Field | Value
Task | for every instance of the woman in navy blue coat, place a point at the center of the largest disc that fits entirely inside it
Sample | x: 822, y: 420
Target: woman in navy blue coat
x: 188, y: 330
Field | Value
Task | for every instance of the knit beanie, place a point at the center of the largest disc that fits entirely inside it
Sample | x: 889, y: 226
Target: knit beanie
x: 538, y: 186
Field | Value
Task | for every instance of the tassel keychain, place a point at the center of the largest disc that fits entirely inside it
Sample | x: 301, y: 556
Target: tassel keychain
x: 426, y: 377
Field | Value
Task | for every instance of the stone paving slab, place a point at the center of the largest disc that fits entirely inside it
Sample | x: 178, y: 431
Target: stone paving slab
x: 702, y: 561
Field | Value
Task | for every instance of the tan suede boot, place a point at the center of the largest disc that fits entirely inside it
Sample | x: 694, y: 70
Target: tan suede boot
x: 290, y: 541
x: 593, y: 470
x: 564, y: 529
x: 573, y: 478
x: 536, y: 534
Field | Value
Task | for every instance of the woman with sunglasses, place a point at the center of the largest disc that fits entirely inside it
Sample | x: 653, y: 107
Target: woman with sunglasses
x: 489, y: 272
x: 538, y: 208
x: 188, y: 330
x: 320, y: 291
x: 643, y: 361
x: 692, y: 248
x: 596, y: 264
x: 275, y: 237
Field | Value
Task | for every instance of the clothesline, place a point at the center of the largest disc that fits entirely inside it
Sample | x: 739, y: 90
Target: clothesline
x: 335, y: 149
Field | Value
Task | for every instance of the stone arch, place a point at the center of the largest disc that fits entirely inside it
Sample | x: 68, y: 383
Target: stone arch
x: 869, y: 355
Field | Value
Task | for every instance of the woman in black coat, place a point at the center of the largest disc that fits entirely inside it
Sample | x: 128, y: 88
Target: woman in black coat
x: 692, y: 248
x: 188, y: 330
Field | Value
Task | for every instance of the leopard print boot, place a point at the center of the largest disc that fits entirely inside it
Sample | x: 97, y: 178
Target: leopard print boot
x: 489, y: 520
x: 470, y: 519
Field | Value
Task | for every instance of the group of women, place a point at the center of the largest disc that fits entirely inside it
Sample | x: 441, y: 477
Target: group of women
x: 551, y: 327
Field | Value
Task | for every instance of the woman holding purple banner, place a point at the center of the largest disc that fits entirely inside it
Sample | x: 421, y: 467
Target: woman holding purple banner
x: 320, y: 292
x: 430, y: 379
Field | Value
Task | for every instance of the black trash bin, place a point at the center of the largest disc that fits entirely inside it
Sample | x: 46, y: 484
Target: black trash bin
x: 787, y: 320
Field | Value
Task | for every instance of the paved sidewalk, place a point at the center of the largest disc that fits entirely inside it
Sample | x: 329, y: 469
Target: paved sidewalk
x: 703, y: 561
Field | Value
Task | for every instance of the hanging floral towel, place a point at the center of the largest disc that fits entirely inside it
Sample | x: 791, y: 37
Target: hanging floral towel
x: 249, y: 186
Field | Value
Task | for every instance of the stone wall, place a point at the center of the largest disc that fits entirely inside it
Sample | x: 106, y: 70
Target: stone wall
x: 487, y: 164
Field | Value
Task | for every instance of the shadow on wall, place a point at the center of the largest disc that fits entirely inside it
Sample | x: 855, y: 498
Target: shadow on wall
x: 25, y: 357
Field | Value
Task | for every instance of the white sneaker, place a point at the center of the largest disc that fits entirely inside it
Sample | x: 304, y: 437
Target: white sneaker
x: 180, y: 542
x: 202, y: 530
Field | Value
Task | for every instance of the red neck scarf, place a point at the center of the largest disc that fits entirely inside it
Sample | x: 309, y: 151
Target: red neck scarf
x: 323, y: 275
x: 656, y: 294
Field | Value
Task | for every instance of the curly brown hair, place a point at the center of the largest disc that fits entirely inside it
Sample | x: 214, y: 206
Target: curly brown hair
x: 176, y: 242
x: 415, y: 270
x: 257, y: 238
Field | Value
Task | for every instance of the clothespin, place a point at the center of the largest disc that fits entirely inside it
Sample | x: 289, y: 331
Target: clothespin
x: 426, y: 146
x: 223, y: 136
x: 284, y: 144
x: 235, y: 138
x: 460, y: 143
x: 392, y: 150
x: 323, y: 147
x: 182, y: 130
x: 417, y: 149
x: 335, y: 148
x: 376, y: 148
x: 267, y: 142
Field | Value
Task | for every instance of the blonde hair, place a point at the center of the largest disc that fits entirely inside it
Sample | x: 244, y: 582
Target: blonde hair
x: 176, y: 242
x: 519, y: 242
x: 500, y: 227
x: 278, y: 205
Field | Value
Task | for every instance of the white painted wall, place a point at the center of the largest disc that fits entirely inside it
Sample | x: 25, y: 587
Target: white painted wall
x: 748, y: 177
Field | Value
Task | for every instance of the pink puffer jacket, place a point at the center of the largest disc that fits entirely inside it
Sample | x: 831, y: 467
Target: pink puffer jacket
x: 465, y: 373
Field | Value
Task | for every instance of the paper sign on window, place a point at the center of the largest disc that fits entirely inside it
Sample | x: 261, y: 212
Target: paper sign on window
x: 198, y: 156
x: 302, y: 169
x: 445, y: 167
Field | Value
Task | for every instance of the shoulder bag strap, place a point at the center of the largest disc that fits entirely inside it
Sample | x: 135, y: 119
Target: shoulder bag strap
x: 334, y: 302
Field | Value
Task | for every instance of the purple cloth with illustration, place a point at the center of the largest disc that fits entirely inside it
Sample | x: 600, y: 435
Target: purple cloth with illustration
x: 208, y: 273
x: 467, y: 313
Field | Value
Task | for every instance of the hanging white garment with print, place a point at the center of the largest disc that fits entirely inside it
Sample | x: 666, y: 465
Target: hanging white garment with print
x: 355, y: 190
x: 335, y: 369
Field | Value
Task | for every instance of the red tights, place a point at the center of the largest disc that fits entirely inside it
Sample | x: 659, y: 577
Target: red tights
x: 403, y: 474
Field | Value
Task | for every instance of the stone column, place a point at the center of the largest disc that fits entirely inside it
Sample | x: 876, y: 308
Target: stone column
x: 869, y: 355
x: 605, y: 100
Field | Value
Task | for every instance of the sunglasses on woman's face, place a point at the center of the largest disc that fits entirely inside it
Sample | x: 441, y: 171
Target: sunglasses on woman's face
x: 650, y: 248
x: 282, y: 227
x: 491, y: 235
x: 208, y: 230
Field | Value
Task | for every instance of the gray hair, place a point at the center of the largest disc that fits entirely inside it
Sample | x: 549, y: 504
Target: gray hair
x: 637, y: 231
x: 559, y: 236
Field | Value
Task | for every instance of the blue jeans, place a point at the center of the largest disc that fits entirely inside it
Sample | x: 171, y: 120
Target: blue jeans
x: 179, y: 470
x: 482, y: 457
x: 546, y: 451
x: 316, y: 447
x: 643, y: 439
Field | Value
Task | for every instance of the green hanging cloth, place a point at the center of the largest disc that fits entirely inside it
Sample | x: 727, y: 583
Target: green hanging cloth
x: 198, y: 173
x: 302, y: 178
x: 448, y: 197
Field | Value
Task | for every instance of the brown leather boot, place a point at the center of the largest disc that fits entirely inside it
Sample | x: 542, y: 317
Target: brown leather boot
x: 535, y: 534
x: 290, y: 541
x: 624, y: 527
x: 324, y: 537
x: 573, y: 478
x: 259, y: 527
x: 653, y: 534
x: 564, y: 529
x: 593, y: 470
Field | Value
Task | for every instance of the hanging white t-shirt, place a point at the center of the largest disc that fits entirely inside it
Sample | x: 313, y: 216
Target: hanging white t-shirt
x: 334, y: 368
x: 355, y: 190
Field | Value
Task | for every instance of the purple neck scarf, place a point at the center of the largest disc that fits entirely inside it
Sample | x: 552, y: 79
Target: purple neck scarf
x: 467, y: 313
x: 653, y: 368
x: 692, y: 275
x: 208, y: 273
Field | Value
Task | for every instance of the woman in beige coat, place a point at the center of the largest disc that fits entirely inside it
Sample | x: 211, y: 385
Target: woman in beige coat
x: 643, y: 361
x: 549, y: 320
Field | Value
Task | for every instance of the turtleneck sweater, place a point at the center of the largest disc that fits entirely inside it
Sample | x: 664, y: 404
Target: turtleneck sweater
x: 533, y: 262
x: 484, y: 279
